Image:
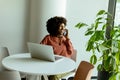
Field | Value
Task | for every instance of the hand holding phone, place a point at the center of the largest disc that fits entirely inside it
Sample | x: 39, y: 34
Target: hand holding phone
x: 65, y: 33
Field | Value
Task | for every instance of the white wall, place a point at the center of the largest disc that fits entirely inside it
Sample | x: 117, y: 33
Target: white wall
x: 14, y: 15
x: 82, y: 11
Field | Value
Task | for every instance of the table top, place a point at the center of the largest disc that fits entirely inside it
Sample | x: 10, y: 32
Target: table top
x: 24, y: 63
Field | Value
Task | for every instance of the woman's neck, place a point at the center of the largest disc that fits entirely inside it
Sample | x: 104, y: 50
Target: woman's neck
x: 59, y: 36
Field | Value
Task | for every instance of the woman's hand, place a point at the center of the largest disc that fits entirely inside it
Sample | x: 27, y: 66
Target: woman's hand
x: 66, y: 34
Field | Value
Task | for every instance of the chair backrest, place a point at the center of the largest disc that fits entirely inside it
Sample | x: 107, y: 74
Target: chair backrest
x: 9, y: 75
x: 3, y: 53
x: 84, y: 71
x: 73, y: 57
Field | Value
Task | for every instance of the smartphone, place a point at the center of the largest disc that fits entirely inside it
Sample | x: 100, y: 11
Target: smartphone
x: 65, y: 32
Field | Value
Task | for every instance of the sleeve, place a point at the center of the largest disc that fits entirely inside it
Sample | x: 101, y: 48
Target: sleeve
x: 69, y: 47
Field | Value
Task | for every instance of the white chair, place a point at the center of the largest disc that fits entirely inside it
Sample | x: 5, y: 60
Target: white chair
x: 4, y: 52
x: 74, y: 56
x: 9, y: 75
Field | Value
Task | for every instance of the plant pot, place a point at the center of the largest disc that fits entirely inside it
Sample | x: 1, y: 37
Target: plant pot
x: 103, y: 75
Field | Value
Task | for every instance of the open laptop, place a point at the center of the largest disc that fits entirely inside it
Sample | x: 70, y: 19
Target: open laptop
x: 43, y: 52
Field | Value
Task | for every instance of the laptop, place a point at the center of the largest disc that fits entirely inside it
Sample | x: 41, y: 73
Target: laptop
x: 43, y: 52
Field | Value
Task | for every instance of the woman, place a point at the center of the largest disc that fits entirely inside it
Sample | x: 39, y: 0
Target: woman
x: 58, y: 39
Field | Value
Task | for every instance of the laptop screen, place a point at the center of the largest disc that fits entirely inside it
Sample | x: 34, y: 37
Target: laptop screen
x: 41, y: 51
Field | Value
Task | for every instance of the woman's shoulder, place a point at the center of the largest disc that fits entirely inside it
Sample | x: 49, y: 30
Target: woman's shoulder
x: 45, y: 39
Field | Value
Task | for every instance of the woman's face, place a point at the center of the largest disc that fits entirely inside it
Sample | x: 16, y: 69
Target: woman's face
x: 61, y: 29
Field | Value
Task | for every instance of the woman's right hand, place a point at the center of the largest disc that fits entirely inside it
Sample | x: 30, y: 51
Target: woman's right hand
x: 66, y: 33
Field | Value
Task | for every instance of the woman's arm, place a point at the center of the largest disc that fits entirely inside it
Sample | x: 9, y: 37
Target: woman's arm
x: 69, y: 47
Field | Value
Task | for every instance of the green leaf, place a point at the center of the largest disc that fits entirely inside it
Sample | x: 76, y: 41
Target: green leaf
x: 90, y: 45
x: 89, y: 33
x: 107, y: 43
x: 96, y: 25
x: 117, y: 56
x: 103, y: 48
x: 98, y: 19
x: 113, y: 77
x: 100, y: 67
x: 92, y: 26
x: 104, y: 27
x: 98, y: 35
x: 109, y: 64
x: 101, y: 12
x: 80, y: 24
x: 93, y: 59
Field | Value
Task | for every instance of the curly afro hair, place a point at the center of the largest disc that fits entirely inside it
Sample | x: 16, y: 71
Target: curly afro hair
x: 54, y: 23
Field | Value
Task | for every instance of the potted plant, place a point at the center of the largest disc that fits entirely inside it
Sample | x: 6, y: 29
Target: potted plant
x: 107, y: 44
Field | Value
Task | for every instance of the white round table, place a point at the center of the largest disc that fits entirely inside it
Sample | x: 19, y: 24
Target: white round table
x: 24, y: 63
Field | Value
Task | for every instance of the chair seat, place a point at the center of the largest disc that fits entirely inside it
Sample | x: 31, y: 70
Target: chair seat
x: 9, y: 75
